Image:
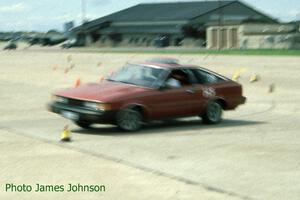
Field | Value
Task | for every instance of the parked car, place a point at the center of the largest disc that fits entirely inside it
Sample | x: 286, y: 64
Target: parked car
x: 45, y: 40
x: 10, y: 46
x: 142, y: 92
x: 162, y: 41
x: 71, y: 43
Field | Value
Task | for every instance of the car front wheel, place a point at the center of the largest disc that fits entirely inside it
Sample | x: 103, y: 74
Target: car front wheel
x: 212, y: 114
x: 129, y: 120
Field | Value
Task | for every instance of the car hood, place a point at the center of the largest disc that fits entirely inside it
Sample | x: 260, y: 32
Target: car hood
x: 106, y: 91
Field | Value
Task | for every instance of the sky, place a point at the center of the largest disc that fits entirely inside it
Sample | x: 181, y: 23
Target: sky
x: 43, y: 15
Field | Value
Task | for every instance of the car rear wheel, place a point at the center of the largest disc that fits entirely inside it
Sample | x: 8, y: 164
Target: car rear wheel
x: 212, y: 114
x: 83, y: 124
x: 129, y: 120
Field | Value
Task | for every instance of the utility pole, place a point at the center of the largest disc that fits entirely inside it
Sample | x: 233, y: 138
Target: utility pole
x: 298, y: 21
x: 298, y: 16
x: 220, y: 12
x: 83, y: 11
x: 220, y: 22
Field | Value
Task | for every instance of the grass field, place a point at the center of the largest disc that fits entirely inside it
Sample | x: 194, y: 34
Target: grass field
x: 263, y: 52
x: 173, y: 50
x: 253, y: 154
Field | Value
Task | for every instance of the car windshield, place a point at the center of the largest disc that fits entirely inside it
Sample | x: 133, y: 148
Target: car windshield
x: 139, y: 75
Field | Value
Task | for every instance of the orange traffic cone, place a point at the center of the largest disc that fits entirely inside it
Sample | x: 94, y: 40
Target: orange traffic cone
x: 78, y: 83
x: 66, y: 134
x: 101, y: 78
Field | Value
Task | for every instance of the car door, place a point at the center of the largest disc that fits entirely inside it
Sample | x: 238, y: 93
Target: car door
x: 210, y: 84
x: 175, y: 102
x: 171, y: 102
x: 197, y: 101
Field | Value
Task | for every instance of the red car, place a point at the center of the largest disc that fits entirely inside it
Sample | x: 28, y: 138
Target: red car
x: 152, y: 90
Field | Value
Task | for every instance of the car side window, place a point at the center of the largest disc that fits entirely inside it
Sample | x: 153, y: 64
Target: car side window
x: 191, y: 77
x: 178, y: 78
x: 204, y: 77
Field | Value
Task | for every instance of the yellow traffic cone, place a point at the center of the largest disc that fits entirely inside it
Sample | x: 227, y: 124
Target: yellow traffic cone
x: 236, y: 76
x: 254, y: 78
x: 66, y: 134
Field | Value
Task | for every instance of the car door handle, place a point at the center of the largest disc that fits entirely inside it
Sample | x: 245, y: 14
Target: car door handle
x: 190, y: 91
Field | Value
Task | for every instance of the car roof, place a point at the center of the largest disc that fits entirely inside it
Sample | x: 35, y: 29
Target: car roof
x: 172, y: 66
x: 165, y: 65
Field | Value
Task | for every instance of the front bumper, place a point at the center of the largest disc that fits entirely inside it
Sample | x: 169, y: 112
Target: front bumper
x: 82, y: 113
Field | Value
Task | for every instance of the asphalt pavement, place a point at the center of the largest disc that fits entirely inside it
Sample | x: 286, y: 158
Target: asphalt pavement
x: 252, y: 154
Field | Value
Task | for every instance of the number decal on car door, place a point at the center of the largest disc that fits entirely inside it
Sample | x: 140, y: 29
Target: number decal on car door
x: 209, y: 92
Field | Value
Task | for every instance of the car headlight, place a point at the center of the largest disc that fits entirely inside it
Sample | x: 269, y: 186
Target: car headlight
x: 97, y: 106
x: 59, y: 99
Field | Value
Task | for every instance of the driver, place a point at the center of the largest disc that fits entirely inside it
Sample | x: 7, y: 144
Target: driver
x: 173, y: 82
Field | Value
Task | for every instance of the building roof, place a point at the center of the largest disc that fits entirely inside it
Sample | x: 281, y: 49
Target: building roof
x: 166, y: 11
x: 172, y: 11
x: 163, y: 12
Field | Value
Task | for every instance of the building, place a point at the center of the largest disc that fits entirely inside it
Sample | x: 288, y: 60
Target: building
x: 254, y: 36
x: 165, y: 24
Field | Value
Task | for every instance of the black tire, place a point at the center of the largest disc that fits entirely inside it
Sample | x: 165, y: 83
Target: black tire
x: 129, y: 120
x: 83, y: 124
x: 213, y: 113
